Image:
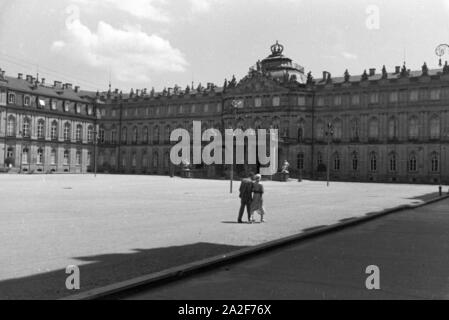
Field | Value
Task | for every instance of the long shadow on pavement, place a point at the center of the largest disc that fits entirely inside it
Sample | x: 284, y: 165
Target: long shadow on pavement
x: 102, y: 270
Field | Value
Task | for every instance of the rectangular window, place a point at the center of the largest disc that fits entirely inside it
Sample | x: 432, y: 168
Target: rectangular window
x: 435, y: 94
x: 337, y: 100
x: 355, y: 100
x: 301, y: 101
x: 414, y: 95
x: 276, y: 101
x: 394, y: 96
x: 374, y: 98
x: 258, y: 102
x: 2, y: 97
x: 320, y: 101
x: 11, y: 98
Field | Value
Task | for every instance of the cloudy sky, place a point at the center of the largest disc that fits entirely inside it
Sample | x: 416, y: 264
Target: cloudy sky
x: 160, y: 43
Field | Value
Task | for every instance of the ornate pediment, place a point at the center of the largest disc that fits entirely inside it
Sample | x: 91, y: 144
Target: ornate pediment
x: 257, y: 83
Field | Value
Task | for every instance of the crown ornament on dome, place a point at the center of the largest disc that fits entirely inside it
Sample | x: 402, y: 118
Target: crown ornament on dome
x: 277, y: 49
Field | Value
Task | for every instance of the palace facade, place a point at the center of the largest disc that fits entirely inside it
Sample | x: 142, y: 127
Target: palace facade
x: 383, y: 126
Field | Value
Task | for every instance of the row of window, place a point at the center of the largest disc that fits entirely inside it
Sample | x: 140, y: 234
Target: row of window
x: 26, y: 130
x: 404, y: 95
x: 40, y: 158
x: 163, y: 111
x: 46, y: 103
x: 393, y: 161
x: 413, y: 126
x: 146, y: 161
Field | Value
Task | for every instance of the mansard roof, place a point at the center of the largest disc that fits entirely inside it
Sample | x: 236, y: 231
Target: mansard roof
x: 39, y: 89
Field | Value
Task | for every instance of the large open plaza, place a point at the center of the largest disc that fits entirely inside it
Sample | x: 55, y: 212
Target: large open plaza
x: 118, y: 227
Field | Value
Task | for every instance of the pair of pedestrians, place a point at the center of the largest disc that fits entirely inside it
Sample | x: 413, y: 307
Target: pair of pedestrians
x: 251, y: 196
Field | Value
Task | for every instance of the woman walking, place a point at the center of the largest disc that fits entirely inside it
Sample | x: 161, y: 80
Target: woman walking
x: 257, y: 204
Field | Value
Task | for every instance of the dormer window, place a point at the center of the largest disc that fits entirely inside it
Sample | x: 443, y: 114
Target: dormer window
x: 78, y: 108
x: 54, y: 104
x: 66, y: 106
x: 41, y: 103
x: 11, y: 98
x: 276, y: 101
x: 27, y: 101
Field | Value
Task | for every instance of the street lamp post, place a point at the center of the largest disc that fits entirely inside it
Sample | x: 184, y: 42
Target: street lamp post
x: 329, y: 134
x: 235, y: 106
x: 445, y: 134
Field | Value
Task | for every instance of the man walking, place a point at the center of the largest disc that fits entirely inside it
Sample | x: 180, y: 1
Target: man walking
x: 246, y: 196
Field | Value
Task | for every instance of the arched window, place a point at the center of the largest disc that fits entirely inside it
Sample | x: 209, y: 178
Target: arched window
x: 124, y: 135
x: 54, y: 131
x: 25, y: 155
x: 41, y: 129
x: 67, y: 129
x: 156, y: 135
x: 435, y: 128
x: 337, y: 162
x: 320, y: 130
x: 144, y: 160
x: 53, y: 157
x: 135, y: 135
x: 300, y: 161
x: 319, y: 159
x: 79, y: 133
x: 355, y: 129
x: 413, y: 128
x: 78, y: 158
x: 413, y: 163
x: 66, y: 157
x: 101, y: 135
x: 373, y: 162
x: 145, y: 135
x: 114, y: 135
x: 167, y: 160
x: 155, y: 160
x: 40, y: 156
x: 338, y: 129
x: 435, y: 162
x: 90, y: 134
x: 393, y: 164
x: 167, y: 133
x: 11, y: 126
x: 392, y: 128
x: 374, y: 129
x: 26, y: 128
x: 355, y: 161
x: 300, y: 131
x: 124, y: 160
x: 134, y: 159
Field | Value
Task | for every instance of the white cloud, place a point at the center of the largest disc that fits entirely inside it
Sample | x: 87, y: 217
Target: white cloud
x: 349, y: 55
x: 129, y: 53
x: 143, y: 9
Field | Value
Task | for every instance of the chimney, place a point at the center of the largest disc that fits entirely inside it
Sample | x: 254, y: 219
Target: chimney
x: 116, y: 91
x: 20, y: 76
x: 77, y: 89
x: 324, y: 75
x: 372, y: 72
x: 68, y: 86
x: 29, y: 78
x: 397, y: 69
x: 43, y: 81
x: 137, y: 92
x: 58, y: 84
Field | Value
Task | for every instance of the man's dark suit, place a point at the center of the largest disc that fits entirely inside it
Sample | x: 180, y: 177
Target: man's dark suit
x: 246, y: 195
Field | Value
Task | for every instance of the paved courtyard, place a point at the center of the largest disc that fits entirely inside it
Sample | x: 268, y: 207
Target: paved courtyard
x: 50, y: 222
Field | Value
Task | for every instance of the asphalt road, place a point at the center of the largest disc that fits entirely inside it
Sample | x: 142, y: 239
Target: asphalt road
x: 411, y: 249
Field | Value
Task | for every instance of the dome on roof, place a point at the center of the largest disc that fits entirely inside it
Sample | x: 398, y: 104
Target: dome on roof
x: 280, y: 67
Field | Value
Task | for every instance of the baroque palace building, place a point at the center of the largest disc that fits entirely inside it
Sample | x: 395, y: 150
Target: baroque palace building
x: 379, y: 126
